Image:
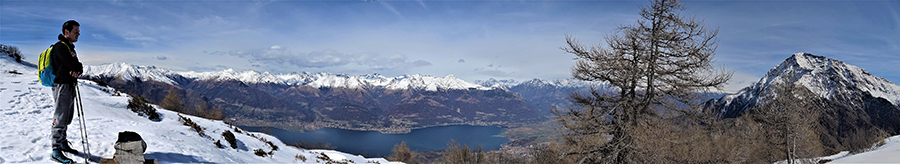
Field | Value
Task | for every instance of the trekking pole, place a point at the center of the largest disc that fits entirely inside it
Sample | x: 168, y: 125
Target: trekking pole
x: 85, y: 145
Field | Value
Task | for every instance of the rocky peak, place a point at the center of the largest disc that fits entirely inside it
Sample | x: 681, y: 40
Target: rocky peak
x: 828, y: 78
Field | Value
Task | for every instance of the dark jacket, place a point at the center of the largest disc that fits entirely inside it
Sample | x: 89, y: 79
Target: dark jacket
x: 65, y: 60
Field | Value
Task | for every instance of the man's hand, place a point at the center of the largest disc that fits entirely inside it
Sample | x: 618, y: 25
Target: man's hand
x: 74, y: 74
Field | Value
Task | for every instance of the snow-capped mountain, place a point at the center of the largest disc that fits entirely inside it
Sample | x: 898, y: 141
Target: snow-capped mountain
x: 565, y: 83
x: 26, y: 109
x: 494, y: 82
x: 418, y: 82
x: 828, y: 78
x: 856, y: 107
x: 547, y: 94
x: 307, y: 101
x: 130, y: 72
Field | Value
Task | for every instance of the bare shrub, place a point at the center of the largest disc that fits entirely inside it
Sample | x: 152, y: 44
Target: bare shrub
x: 140, y: 105
x: 230, y: 138
x: 300, y: 157
x: 461, y: 154
x: 312, y: 145
x: 219, y: 144
x: 172, y: 101
x: 194, y: 126
x: 260, y: 152
x: 551, y: 153
x: 402, y: 153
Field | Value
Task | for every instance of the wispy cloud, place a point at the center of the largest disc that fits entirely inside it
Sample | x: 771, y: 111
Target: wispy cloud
x: 325, y: 58
x: 391, y: 8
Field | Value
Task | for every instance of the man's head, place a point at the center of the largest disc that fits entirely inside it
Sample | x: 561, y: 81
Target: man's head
x: 70, y: 30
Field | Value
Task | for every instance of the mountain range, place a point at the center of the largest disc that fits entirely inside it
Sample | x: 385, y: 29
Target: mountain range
x: 306, y: 101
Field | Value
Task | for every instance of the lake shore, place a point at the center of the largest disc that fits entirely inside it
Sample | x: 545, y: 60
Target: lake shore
x: 298, y: 126
x: 369, y: 143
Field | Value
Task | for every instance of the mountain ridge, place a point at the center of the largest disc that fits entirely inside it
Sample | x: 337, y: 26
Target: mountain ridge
x: 321, y: 79
x: 821, y: 75
x: 304, y: 101
x: 415, y: 81
x: 856, y: 107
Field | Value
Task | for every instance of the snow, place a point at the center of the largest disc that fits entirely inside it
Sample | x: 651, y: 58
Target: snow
x: 128, y: 71
x: 26, y: 109
x: 565, y: 83
x: 417, y: 81
x: 816, y: 67
x: 318, y: 80
x: 823, y: 76
x: 807, y: 160
x: 493, y: 82
x: 886, y: 153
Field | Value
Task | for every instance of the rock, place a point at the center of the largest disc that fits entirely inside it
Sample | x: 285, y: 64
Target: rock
x: 130, y: 148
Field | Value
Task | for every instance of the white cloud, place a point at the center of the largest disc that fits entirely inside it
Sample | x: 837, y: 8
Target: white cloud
x: 136, y: 36
x: 325, y: 59
x: 99, y: 36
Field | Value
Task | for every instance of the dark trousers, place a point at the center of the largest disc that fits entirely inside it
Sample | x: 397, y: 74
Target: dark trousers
x: 64, y: 94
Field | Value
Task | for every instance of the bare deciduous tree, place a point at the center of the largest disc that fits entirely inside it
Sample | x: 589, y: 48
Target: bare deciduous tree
x: 790, y: 122
x: 658, y: 63
x: 403, y: 154
x: 461, y: 154
x: 172, y: 101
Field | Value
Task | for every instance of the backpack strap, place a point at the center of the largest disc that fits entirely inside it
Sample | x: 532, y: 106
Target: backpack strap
x: 67, y: 45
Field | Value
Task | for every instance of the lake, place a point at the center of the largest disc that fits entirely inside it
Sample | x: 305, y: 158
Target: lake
x: 377, y: 144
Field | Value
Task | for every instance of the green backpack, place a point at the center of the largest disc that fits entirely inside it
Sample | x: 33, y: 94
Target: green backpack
x: 45, y: 66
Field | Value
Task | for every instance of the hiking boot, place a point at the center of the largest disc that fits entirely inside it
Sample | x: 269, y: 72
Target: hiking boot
x: 59, y: 157
x: 68, y: 149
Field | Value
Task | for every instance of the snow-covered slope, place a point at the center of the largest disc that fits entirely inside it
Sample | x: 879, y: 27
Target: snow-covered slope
x: 828, y: 78
x: 128, y: 71
x: 886, y: 153
x: 26, y: 109
x: 417, y: 81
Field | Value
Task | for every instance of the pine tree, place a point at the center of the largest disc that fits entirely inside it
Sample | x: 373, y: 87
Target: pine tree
x: 660, y: 62
x: 172, y: 101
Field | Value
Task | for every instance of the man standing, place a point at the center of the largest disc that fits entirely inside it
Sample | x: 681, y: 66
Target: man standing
x: 68, y: 68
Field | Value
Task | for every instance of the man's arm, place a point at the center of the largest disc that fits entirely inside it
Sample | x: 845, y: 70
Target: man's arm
x: 67, y: 60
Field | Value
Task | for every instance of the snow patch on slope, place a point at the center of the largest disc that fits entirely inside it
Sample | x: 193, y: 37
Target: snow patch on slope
x: 886, y: 153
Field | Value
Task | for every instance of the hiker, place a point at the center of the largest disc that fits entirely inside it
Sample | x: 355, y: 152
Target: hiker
x: 67, y: 69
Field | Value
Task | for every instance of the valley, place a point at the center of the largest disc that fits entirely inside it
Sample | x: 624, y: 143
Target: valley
x: 307, y: 101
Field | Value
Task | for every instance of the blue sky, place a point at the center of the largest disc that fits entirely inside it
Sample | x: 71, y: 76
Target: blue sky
x: 473, y: 40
